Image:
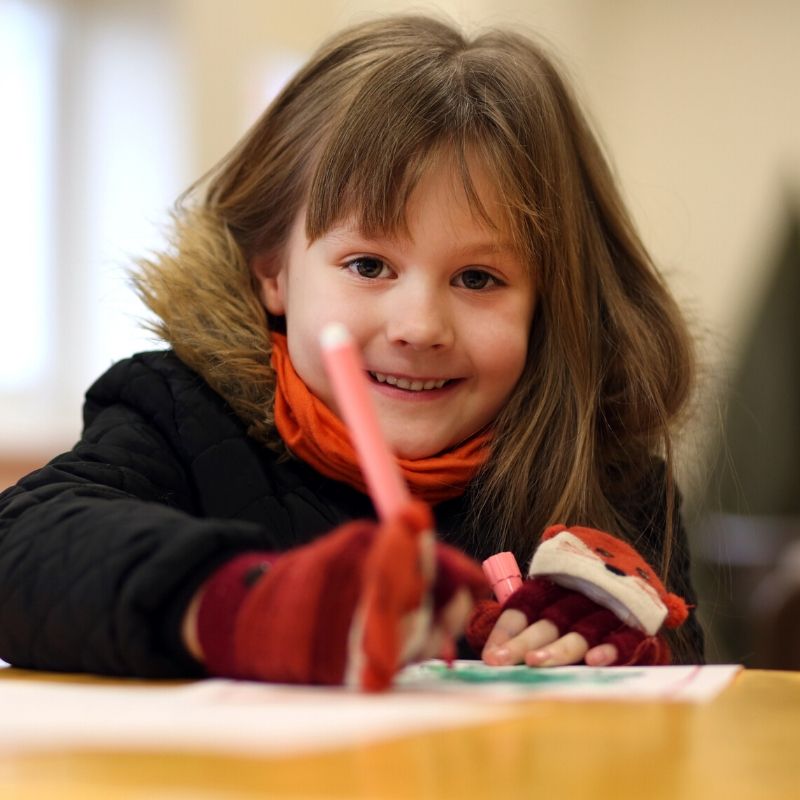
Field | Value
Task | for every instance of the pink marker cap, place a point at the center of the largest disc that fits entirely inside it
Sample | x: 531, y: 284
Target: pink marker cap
x: 503, y: 574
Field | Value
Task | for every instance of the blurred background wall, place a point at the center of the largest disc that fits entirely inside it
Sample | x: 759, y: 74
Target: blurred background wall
x: 110, y: 108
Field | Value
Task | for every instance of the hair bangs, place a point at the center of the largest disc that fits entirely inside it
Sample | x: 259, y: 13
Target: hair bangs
x: 375, y: 196
x: 421, y: 115
x: 372, y: 195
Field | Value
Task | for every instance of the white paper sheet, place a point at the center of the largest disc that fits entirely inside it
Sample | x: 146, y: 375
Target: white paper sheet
x: 219, y: 716
x: 260, y: 719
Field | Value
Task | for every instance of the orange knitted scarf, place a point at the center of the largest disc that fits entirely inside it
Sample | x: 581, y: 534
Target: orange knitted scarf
x: 316, y: 435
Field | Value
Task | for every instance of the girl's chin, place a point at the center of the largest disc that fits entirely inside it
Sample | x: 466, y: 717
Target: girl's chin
x: 412, y: 446
x: 412, y: 452
x: 413, y: 455
x: 424, y: 449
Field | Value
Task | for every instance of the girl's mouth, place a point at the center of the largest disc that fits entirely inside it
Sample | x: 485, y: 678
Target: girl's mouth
x: 410, y: 384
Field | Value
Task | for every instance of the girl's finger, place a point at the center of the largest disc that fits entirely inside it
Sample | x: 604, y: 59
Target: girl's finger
x: 569, y: 649
x: 453, y: 617
x: 512, y: 650
x: 602, y: 656
x: 433, y: 645
x: 449, y: 625
x: 508, y: 625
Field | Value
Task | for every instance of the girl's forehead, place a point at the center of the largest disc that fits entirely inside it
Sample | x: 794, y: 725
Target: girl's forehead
x: 465, y: 173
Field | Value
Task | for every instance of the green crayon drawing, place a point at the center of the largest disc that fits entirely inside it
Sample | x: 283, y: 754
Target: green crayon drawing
x: 481, y: 673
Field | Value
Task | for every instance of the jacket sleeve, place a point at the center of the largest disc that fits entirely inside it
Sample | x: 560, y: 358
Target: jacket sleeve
x: 101, y: 549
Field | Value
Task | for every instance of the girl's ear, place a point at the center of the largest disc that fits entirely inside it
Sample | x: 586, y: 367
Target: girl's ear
x: 268, y: 273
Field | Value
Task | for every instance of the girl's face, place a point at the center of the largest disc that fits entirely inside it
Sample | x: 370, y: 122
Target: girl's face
x: 442, y: 314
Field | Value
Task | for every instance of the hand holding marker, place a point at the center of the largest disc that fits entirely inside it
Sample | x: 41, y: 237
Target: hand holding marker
x: 403, y: 564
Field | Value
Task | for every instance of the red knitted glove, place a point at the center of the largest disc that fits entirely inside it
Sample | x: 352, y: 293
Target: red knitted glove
x: 589, y: 582
x: 352, y: 606
x: 570, y: 612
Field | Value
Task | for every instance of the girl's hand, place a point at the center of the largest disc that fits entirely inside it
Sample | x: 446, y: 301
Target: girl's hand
x: 514, y: 641
x: 417, y: 598
x: 545, y: 625
x: 351, y: 607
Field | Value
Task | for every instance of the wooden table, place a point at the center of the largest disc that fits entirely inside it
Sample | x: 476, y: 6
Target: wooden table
x: 743, y: 744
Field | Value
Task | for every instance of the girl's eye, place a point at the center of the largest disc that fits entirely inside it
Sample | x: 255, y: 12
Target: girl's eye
x: 366, y: 267
x: 476, y: 279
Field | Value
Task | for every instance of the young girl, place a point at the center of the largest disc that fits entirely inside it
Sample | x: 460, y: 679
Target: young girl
x: 446, y: 200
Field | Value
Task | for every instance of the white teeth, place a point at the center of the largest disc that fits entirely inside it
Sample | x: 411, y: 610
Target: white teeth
x: 404, y: 383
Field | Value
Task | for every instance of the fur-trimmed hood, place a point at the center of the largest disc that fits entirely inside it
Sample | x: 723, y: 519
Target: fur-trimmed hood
x: 208, y: 311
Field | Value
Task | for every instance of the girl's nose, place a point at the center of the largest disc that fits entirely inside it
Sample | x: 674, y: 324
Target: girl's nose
x: 418, y: 317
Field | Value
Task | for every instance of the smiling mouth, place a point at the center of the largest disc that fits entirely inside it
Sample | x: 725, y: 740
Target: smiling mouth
x: 409, y: 384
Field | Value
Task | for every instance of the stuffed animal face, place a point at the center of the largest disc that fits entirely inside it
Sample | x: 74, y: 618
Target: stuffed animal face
x: 611, y: 573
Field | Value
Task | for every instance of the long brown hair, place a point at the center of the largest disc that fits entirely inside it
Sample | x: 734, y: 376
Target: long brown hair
x: 610, y: 362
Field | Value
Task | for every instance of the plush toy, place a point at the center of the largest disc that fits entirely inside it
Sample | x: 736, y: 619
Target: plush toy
x: 592, y: 583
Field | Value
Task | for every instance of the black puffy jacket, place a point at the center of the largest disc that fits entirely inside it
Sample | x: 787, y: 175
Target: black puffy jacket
x: 101, y: 549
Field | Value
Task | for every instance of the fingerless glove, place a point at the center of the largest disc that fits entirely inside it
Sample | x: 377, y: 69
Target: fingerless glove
x: 591, y: 583
x: 350, y: 607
